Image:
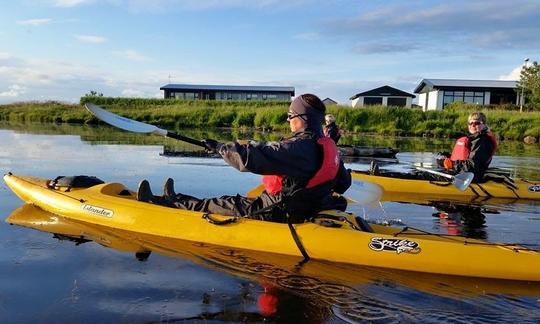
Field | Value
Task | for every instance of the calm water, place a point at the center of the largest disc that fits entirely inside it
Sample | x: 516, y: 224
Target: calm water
x: 45, y: 279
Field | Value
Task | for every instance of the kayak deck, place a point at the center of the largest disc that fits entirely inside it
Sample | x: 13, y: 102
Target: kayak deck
x: 404, y: 183
x: 333, y: 236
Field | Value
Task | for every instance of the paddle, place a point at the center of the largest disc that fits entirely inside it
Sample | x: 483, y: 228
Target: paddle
x: 136, y: 126
x: 461, y: 180
x: 370, y: 193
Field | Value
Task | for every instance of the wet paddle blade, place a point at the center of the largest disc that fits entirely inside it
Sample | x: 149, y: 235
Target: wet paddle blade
x: 463, y: 180
x: 364, y: 192
x: 123, y: 122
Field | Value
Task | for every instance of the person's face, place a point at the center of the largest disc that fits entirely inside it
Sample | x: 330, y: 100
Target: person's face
x: 295, y: 121
x: 475, y: 126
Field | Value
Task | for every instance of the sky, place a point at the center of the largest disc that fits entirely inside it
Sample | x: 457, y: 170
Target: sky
x: 63, y: 49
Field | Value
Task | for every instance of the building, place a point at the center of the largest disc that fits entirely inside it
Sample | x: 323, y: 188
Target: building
x: 434, y: 94
x: 328, y: 102
x: 226, y: 92
x: 385, y: 96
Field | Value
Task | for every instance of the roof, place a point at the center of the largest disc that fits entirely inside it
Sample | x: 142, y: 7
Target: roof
x: 329, y: 100
x: 386, y: 91
x: 430, y: 84
x: 226, y: 88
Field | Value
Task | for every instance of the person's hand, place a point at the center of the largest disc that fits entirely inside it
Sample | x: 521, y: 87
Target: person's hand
x: 212, y: 145
x: 443, y: 155
x: 448, y: 164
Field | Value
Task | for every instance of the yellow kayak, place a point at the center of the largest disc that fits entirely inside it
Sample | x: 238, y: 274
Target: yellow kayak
x: 400, y: 183
x: 333, y: 236
x: 283, y: 271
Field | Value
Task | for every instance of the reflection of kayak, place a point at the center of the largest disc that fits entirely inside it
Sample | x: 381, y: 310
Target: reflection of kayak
x: 345, y: 150
x: 111, y: 205
x: 404, y: 183
x: 281, y: 270
x: 367, y: 151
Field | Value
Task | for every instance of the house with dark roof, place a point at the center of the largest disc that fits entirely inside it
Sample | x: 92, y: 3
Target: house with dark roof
x: 328, y: 101
x: 385, y: 96
x: 226, y: 92
x: 434, y: 94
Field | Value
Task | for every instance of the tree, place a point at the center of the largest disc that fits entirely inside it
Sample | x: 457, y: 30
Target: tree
x: 529, y: 85
x: 93, y: 93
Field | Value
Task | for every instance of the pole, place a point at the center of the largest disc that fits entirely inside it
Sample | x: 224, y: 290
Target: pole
x: 522, y: 98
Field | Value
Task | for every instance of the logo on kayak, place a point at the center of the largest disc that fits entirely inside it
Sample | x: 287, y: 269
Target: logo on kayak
x: 535, y: 188
x: 98, y: 211
x: 397, y: 245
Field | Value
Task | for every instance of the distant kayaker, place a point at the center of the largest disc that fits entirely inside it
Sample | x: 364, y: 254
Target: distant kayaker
x: 331, y: 129
x: 472, y: 153
x: 300, y: 173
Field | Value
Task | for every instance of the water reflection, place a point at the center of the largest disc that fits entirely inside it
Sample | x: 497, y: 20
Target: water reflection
x: 46, y: 280
x: 313, y: 292
x: 459, y: 219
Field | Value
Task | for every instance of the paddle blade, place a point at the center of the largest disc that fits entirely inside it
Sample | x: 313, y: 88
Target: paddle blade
x: 123, y: 122
x: 364, y: 192
x: 463, y: 180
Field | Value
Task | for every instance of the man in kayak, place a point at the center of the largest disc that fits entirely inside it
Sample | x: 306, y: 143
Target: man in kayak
x: 331, y: 129
x: 300, y: 173
x: 472, y: 153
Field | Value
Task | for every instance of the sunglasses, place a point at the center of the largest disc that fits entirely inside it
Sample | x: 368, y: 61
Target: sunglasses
x: 475, y: 123
x: 293, y: 115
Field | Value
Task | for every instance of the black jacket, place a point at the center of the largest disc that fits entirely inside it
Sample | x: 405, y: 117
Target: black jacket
x: 332, y: 130
x: 297, y: 158
x: 481, y: 152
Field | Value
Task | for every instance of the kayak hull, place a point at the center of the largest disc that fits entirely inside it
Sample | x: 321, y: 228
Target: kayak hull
x: 519, y: 189
x: 111, y: 205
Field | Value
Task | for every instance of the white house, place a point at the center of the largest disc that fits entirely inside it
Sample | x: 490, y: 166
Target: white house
x: 434, y: 94
x: 385, y: 96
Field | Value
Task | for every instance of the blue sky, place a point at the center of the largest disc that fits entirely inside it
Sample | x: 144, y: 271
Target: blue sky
x: 62, y: 49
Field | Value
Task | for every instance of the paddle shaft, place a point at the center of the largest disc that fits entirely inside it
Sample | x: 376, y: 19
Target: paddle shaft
x: 185, y: 139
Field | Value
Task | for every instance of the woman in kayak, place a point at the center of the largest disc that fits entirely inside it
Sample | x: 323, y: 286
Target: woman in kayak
x: 300, y: 173
x: 331, y: 129
x: 472, y: 153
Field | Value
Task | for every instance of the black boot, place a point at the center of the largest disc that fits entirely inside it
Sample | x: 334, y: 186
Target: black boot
x: 168, y: 189
x: 144, y: 193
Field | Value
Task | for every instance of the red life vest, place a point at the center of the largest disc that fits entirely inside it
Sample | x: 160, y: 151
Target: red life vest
x: 327, y: 172
x: 462, y: 148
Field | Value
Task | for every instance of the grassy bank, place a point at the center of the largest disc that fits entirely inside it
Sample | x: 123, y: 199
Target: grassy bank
x: 181, y: 114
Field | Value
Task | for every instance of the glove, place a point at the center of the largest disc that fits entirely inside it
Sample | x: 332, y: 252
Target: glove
x: 443, y: 154
x: 212, y: 145
x: 448, y: 164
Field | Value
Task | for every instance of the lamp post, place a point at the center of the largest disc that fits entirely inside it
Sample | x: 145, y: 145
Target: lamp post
x: 522, y: 98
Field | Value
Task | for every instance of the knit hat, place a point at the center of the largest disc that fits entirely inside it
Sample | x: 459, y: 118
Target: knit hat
x: 312, y: 116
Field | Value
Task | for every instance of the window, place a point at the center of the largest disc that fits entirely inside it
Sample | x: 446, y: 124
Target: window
x: 371, y: 101
x: 397, y: 102
x: 464, y: 96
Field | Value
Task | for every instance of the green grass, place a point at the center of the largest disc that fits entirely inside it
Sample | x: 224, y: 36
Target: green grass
x: 269, y: 115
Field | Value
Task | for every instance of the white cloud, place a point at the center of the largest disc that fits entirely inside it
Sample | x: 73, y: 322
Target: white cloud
x: 512, y: 76
x: 70, y: 3
x: 132, y: 93
x: 34, y: 22
x: 131, y: 55
x: 14, y: 90
x: 4, y: 56
x: 90, y: 39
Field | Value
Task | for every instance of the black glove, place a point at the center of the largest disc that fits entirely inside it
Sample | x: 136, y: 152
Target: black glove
x: 212, y: 145
x: 445, y: 155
